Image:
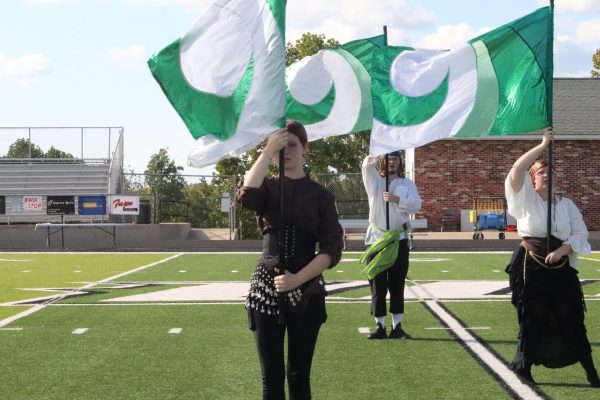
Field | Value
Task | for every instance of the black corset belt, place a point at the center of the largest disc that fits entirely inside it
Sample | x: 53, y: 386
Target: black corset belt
x: 299, y: 248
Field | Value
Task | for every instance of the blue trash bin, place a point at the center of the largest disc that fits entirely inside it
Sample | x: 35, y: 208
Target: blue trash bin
x: 481, y: 221
x: 491, y: 221
x: 500, y: 225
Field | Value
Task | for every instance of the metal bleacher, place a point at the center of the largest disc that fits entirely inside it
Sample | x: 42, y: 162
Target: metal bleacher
x: 59, y: 177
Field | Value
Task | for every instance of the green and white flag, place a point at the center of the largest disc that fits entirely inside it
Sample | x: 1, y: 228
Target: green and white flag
x: 330, y: 92
x: 499, y: 83
x: 225, y: 76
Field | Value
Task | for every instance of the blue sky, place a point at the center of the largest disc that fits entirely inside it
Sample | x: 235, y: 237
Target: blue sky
x: 83, y: 62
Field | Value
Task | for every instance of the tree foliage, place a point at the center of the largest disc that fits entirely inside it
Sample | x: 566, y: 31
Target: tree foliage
x: 56, y: 153
x: 164, y: 180
x: 307, y: 45
x: 596, y: 64
x: 21, y: 147
x: 163, y: 176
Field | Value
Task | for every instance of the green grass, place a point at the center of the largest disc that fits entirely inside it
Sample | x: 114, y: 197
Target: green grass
x: 60, y: 271
x: 560, y: 383
x: 6, y: 312
x: 199, y: 267
x: 127, y: 353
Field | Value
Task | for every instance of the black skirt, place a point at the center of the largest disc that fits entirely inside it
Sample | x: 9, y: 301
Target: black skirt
x: 550, y: 312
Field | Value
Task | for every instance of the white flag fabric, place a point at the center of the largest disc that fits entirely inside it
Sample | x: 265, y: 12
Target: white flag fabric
x: 226, y: 77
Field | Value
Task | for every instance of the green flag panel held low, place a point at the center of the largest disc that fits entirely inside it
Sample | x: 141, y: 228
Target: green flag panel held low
x: 385, y: 252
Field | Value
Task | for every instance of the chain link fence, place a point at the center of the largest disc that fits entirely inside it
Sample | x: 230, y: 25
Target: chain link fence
x: 208, y: 201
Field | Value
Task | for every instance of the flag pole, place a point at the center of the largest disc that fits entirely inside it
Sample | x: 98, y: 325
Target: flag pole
x: 550, y: 60
x: 281, y: 229
x: 387, y: 177
x: 281, y: 212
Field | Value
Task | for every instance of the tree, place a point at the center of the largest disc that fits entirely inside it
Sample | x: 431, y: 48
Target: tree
x: 56, y: 153
x: 307, y: 45
x: 21, y: 149
x: 596, y: 64
x: 166, y: 184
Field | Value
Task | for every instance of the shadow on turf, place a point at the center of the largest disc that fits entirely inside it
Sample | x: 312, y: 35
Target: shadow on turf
x: 450, y: 339
x: 572, y: 385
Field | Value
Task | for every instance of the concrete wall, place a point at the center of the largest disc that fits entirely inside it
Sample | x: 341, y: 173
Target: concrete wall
x: 128, y: 237
x: 179, y: 237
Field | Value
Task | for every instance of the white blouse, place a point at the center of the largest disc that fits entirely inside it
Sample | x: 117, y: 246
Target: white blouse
x: 409, y: 201
x: 531, y: 212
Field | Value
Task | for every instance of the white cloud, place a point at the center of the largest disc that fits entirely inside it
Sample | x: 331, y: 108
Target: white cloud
x: 450, y: 36
x: 578, y: 6
x: 571, y: 59
x: 23, y: 71
x: 588, y: 31
x: 127, y: 56
x: 345, y: 21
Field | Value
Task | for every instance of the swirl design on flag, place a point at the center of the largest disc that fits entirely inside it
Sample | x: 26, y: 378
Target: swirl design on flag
x: 236, y: 51
x: 416, y: 73
x: 328, y: 91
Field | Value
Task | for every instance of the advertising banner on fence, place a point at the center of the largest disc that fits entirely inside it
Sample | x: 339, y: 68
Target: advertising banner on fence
x: 124, y: 205
x: 2, y: 205
x: 91, y: 205
x: 27, y: 204
x: 57, y: 205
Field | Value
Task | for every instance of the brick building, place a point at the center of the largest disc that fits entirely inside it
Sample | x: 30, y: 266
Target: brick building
x: 450, y: 173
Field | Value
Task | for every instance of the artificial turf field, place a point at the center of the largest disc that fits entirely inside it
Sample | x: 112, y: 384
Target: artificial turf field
x: 88, y: 337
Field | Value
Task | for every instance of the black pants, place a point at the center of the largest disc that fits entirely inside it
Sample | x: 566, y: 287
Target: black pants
x: 393, y: 280
x: 302, y: 330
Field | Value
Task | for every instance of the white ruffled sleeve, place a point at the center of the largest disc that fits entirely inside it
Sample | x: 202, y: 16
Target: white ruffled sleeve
x: 517, y: 202
x: 578, y: 239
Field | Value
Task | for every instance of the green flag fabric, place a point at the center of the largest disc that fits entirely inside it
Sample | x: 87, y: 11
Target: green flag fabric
x: 225, y: 76
x: 330, y: 92
x: 386, y: 250
x: 499, y: 83
x: 227, y: 80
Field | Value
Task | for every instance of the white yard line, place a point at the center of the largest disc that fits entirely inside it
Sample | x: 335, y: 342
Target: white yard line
x: 521, y: 390
x: 588, y: 259
x: 39, y: 307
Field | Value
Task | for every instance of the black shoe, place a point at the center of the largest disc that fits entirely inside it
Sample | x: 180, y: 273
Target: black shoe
x: 379, y: 333
x: 398, y: 333
x: 593, y: 380
x: 525, y: 374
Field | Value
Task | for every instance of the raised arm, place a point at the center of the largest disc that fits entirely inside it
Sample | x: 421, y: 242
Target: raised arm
x: 256, y: 174
x: 517, y: 172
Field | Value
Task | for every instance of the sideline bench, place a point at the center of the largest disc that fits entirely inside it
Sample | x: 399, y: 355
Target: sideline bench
x: 359, y: 226
x: 101, y: 226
